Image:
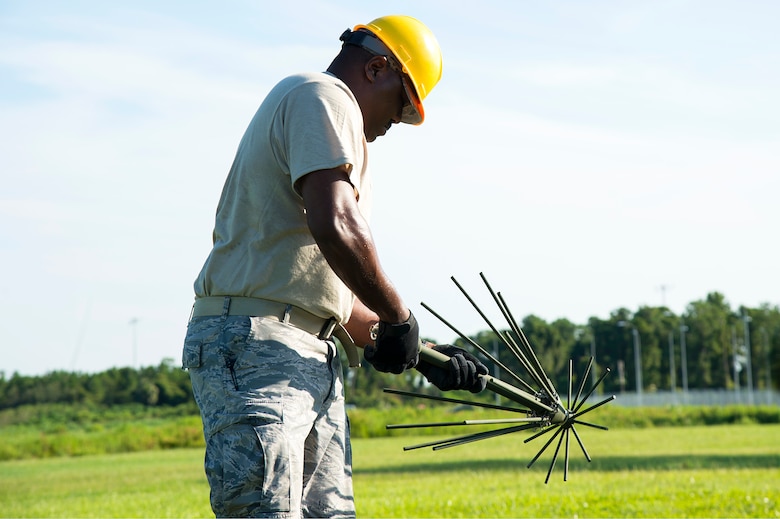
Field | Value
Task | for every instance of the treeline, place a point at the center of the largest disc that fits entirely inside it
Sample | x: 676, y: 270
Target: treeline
x: 709, y: 346
x: 163, y: 385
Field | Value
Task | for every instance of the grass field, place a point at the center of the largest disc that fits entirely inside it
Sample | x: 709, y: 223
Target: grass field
x: 717, y: 471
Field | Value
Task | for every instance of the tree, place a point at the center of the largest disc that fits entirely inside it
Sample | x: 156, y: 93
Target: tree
x: 709, y: 324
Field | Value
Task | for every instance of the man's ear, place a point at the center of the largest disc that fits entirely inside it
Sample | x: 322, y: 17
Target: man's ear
x: 374, y: 66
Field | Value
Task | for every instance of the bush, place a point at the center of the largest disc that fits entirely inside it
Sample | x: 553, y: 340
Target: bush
x: 371, y: 423
x: 72, y: 430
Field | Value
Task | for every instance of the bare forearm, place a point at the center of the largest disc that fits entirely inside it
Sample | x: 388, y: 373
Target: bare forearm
x: 345, y: 239
x: 350, y: 250
x: 360, y: 322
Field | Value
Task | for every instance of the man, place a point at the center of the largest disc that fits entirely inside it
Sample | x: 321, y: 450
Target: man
x: 294, y: 263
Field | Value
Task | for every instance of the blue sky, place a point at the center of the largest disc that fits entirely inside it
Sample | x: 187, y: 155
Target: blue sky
x: 582, y: 154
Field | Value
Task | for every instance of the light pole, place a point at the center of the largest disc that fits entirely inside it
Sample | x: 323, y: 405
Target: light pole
x: 578, y: 334
x: 746, y: 319
x: 684, y: 362
x: 738, y: 361
x: 496, y: 369
x: 672, y: 374
x: 133, y: 324
x: 637, y: 359
x: 672, y: 369
x: 765, y: 338
x: 593, y: 354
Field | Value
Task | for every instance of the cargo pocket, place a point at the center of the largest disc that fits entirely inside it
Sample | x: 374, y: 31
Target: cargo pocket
x: 202, y: 332
x: 191, y: 355
x: 256, y: 462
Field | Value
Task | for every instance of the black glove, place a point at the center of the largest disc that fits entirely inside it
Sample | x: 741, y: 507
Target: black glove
x: 462, y: 371
x: 397, y: 346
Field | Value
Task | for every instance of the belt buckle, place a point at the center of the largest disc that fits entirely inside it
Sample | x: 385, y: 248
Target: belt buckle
x: 327, y: 329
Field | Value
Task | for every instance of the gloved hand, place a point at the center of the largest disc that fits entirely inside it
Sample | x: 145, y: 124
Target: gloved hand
x: 462, y: 372
x: 397, y: 346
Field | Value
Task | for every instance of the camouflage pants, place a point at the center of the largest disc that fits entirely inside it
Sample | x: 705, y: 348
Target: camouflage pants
x: 271, y: 398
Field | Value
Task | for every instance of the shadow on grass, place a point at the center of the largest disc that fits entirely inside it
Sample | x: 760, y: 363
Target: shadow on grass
x: 602, y: 464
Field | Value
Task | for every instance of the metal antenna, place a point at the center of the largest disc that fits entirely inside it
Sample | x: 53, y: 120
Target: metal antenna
x: 541, y: 402
x: 479, y: 348
x: 536, y: 371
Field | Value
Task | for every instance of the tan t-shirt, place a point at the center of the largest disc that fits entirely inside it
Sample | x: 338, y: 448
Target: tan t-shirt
x: 262, y: 245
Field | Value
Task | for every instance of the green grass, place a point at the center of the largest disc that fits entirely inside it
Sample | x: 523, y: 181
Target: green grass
x: 723, y: 471
x: 716, y: 471
x: 43, y: 431
x: 145, y: 484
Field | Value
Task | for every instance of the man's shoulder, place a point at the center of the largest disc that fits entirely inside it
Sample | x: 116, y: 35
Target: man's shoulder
x: 307, y: 91
x: 314, y: 79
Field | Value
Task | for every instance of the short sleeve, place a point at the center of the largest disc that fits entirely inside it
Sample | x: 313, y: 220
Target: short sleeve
x: 318, y: 126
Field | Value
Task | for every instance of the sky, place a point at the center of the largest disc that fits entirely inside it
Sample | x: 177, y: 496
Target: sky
x: 584, y: 155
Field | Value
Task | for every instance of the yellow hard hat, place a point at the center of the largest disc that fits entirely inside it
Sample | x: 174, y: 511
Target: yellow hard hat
x: 418, y: 53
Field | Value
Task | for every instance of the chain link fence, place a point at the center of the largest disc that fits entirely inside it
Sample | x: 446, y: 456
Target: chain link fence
x: 714, y: 397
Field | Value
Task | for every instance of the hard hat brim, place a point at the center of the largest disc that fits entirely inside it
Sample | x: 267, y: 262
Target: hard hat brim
x: 413, y: 113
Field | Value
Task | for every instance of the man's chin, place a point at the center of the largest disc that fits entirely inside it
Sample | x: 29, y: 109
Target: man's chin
x: 375, y: 136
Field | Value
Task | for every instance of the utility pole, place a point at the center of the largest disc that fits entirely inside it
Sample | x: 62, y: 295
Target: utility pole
x: 637, y: 358
x: 638, y: 364
x: 746, y: 319
x: 663, y: 289
x: 496, y: 369
x: 684, y: 362
x: 765, y: 338
x: 593, y: 354
x: 737, y: 362
x: 672, y: 374
x: 133, y: 325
